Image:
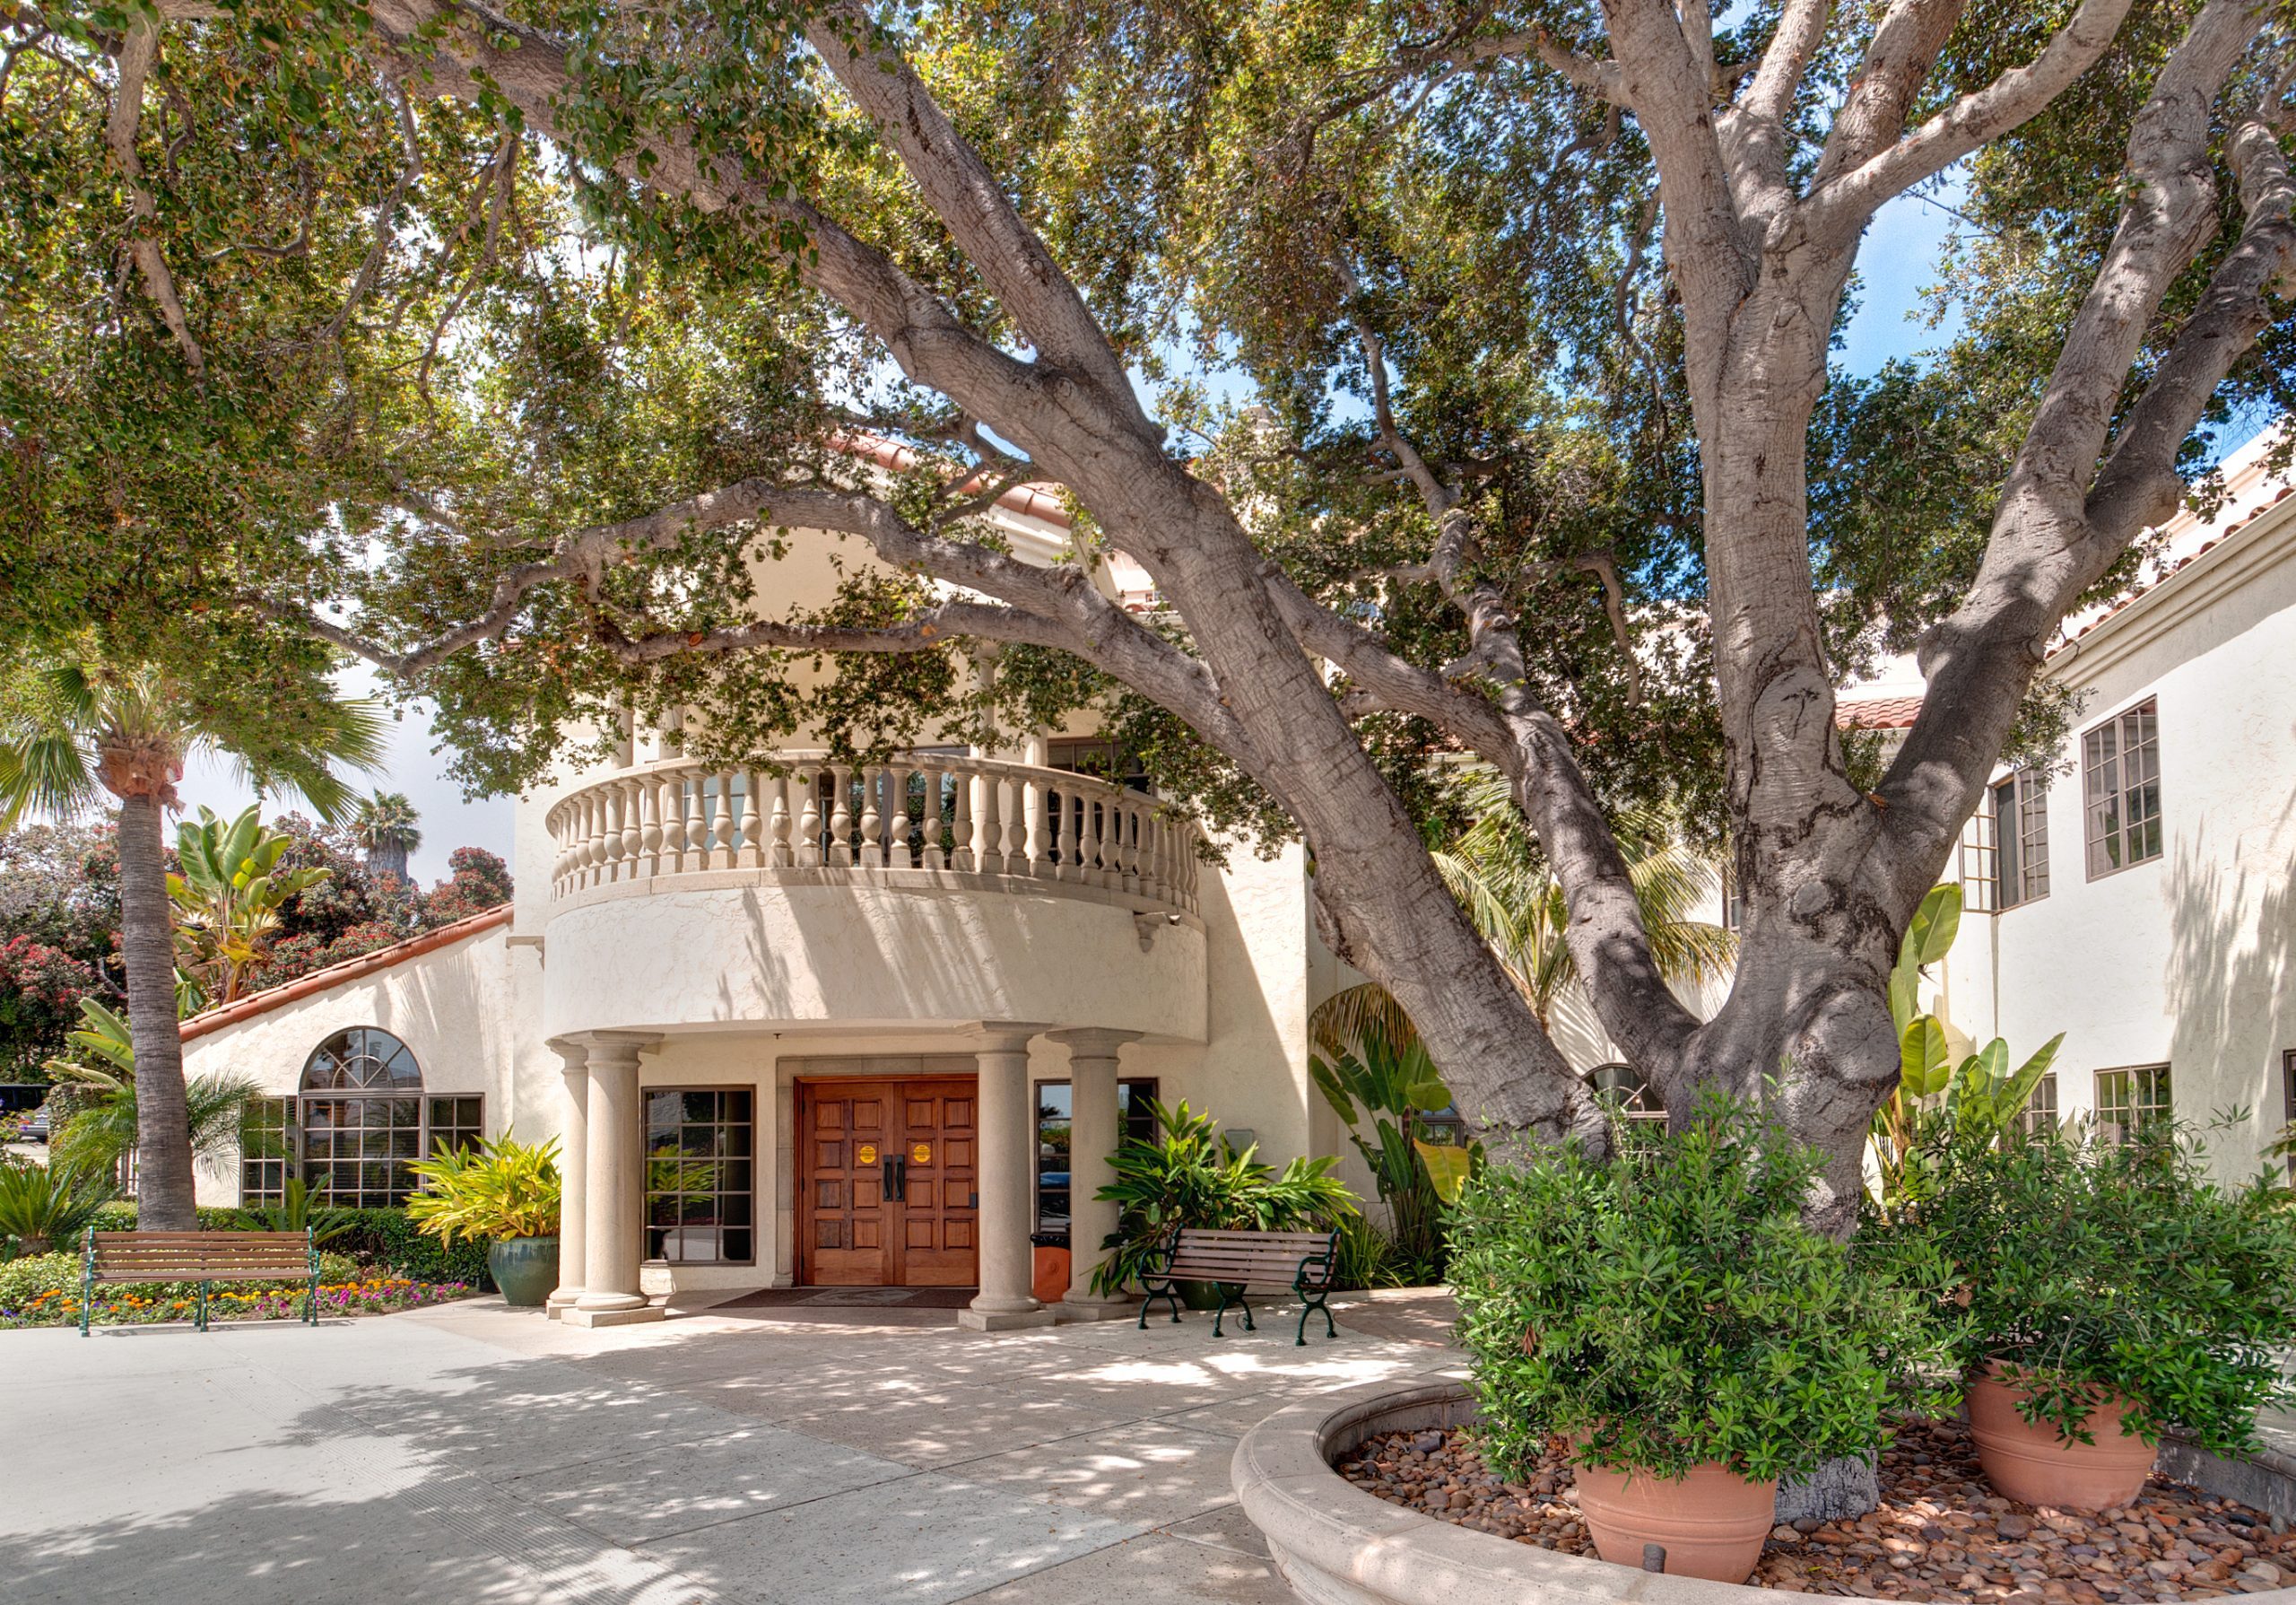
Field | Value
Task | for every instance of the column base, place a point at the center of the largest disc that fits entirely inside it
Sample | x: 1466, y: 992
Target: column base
x: 1002, y: 1320
x: 637, y: 1315
x: 1097, y: 1309
x: 561, y: 1300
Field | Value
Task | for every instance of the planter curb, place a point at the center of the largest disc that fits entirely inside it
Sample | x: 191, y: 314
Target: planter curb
x: 1337, y: 1545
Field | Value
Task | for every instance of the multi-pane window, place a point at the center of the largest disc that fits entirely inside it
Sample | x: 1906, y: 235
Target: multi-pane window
x: 1733, y: 901
x: 2120, y: 776
x: 2288, y: 1106
x: 701, y: 1152
x: 1624, y: 1089
x: 357, y: 1127
x: 2020, y: 836
x: 2131, y: 1101
x: 1136, y: 1122
x: 456, y: 1124
x: 266, y: 1149
x: 2040, y: 1112
x: 1980, y: 867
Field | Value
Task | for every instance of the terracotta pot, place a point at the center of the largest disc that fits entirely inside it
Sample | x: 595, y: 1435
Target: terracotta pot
x: 2032, y: 1463
x: 1712, y: 1522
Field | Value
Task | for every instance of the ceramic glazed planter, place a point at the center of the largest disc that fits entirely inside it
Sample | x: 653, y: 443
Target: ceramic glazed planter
x: 2032, y: 1463
x: 525, y: 1268
x: 1711, y: 1524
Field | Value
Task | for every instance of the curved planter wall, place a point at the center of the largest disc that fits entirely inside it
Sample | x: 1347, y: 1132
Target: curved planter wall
x: 1337, y: 1545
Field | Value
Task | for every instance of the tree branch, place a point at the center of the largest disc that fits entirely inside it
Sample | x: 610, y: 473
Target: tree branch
x: 1846, y: 195
x: 139, y: 49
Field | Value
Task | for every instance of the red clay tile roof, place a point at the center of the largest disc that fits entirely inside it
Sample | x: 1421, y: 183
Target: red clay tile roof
x: 1029, y: 500
x: 349, y: 969
x: 1876, y: 712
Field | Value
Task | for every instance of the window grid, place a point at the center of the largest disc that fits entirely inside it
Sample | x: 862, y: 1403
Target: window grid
x: 2131, y: 1100
x: 2120, y: 774
x: 2040, y: 1112
x: 2021, y: 827
x: 700, y: 1190
x: 1981, y: 864
x: 267, y: 1158
x: 1135, y: 1122
x: 456, y: 1124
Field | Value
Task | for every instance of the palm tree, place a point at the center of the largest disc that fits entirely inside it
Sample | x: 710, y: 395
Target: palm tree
x: 384, y: 825
x: 1513, y: 901
x: 72, y: 727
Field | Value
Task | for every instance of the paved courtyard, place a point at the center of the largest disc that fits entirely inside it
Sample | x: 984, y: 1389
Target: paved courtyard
x: 471, y: 1453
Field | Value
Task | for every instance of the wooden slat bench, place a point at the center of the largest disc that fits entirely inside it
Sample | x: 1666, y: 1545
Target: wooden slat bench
x: 203, y: 1257
x: 1300, y: 1260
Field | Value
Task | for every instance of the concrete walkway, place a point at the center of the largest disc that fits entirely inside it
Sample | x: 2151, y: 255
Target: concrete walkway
x: 472, y: 1452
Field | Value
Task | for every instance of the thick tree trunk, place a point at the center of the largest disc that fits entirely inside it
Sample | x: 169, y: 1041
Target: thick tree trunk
x: 164, y: 1186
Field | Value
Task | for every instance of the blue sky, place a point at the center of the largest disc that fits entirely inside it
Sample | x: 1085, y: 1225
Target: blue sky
x: 1898, y: 263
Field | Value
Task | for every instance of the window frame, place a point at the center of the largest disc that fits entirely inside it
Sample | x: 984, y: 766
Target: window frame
x: 263, y: 1178
x: 720, y: 1124
x: 2021, y: 837
x: 2156, y: 1079
x: 2098, y: 843
x: 2033, y: 1118
x: 1135, y: 1122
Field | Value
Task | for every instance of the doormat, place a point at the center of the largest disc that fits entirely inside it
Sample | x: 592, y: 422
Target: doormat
x: 851, y: 1298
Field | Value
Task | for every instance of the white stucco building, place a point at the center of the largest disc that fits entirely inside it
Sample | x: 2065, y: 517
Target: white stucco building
x: 827, y: 1025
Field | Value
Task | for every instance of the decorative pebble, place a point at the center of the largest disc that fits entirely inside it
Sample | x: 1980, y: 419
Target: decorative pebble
x: 1941, y: 1534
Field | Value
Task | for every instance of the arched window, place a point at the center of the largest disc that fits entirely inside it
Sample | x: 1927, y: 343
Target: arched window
x: 360, y: 1118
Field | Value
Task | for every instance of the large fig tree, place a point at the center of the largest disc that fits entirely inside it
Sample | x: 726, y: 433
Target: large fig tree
x: 507, y: 348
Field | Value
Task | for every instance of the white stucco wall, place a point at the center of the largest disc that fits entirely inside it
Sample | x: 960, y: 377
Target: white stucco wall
x: 458, y: 1008
x: 2188, y: 960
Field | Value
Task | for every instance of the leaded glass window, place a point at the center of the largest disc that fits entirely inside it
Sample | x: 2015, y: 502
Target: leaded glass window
x: 699, y: 1188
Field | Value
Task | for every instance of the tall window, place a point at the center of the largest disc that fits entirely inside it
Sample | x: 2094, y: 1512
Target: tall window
x: 2130, y: 1101
x: 1135, y: 1122
x: 700, y: 1190
x: 2121, y: 775
x: 266, y: 1149
x: 2021, y: 836
x: 2040, y: 1113
x: 360, y: 1122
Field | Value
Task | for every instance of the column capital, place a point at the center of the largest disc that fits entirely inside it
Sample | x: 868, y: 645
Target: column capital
x: 1003, y: 1036
x: 610, y: 1046
x: 1093, y: 1042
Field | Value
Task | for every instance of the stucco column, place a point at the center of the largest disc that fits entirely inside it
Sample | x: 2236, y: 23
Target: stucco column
x: 615, y: 1180
x: 1005, y: 1174
x: 1094, y: 1131
x: 573, y: 1159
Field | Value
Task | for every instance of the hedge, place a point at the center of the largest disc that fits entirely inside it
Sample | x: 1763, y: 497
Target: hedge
x: 384, y: 1237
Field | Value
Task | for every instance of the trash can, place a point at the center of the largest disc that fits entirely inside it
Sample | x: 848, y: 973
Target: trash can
x: 1049, y: 1267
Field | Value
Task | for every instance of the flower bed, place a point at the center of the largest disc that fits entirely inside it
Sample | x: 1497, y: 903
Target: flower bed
x: 135, y: 1307
x: 1941, y: 1534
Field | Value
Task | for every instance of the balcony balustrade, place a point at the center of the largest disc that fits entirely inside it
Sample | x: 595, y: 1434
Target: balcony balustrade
x: 920, y: 819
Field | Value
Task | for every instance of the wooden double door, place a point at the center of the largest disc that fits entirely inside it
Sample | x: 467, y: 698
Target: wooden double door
x: 888, y: 1188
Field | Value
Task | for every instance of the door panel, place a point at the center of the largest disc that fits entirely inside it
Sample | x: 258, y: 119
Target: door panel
x: 888, y: 1194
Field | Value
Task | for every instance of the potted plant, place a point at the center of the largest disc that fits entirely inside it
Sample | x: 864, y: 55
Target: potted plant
x: 503, y: 1191
x: 1188, y: 1174
x: 1668, y: 1314
x: 2113, y: 1291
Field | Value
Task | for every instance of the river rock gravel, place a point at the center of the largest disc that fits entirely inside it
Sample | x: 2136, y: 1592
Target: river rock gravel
x: 1941, y: 1533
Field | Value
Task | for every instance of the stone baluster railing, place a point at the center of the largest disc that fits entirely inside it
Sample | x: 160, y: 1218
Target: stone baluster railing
x: 923, y: 811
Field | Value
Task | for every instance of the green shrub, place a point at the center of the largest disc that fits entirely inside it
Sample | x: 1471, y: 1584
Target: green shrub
x: 119, y: 1215
x: 1190, y: 1174
x: 1669, y: 1308
x: 2116, y: 1267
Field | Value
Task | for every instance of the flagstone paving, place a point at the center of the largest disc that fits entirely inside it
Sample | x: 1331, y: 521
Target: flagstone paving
x: 472, y: 1452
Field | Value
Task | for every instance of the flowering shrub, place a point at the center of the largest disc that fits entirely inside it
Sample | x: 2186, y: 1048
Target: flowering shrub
x: 131, y: 1306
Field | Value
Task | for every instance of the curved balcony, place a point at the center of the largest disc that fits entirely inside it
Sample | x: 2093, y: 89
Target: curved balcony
x: 920, y: 820
x: 923, y: 892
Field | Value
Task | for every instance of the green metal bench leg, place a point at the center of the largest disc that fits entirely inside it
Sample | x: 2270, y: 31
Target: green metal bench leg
x: 201, y: 1316
x: 1221, y: 1313
x: 1165, y: 1293
x: 87, y: 1282
x: 1312, y: 1304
